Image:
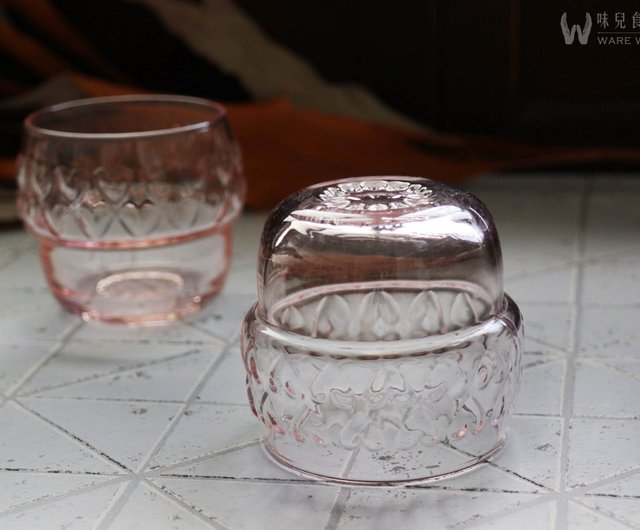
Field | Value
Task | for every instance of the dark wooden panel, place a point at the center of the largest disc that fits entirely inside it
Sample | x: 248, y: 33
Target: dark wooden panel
x: 509, y: 72
x: 400, y: 55
x: 577, y: 93
x: 392, y: 49
x: 478, y: 92
x: 324, y: 31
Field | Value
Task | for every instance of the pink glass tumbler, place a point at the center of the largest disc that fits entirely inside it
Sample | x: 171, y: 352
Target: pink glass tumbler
x: 382, y: 349
x: 132, y: 199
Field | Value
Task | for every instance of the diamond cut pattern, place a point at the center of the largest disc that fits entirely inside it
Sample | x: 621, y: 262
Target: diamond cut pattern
x: 131, y: 190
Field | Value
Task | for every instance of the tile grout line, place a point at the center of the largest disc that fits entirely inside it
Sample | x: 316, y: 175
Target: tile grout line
x: 609, y: 418
x: 52, y: 498
x: 189, y: 400
x: 116, y: 371
x: 586, y: 488
x: 519, y: 476
x: 66, y: 472
x: 337, y: 510
x: 606, y: 367
x: 210, y: 342
x: 233, y: 339
x: 626, y: 357
x: 561, y: 521
x: 107, y: 508
x: 571, y: 262
x: 130, y: 400
x: 606, y: 514
x: 161, y: 470
x: 58, y: 344
x: 72, y: 437
x: 540, y: 270
x: 247, y: 480
x: 545, y: 359
x: 191, y: 509
x: 111, y: 514
x: 611, y: 496
x: 340, y: 503
x: 492, y: 463
x: 561, y: 351
x: 536, y: 501
x: 321, y: 484
x: 31, y: 397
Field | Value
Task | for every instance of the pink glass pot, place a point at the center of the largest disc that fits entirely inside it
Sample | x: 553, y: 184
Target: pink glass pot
x: 132, y: 200
x: 382, y: 348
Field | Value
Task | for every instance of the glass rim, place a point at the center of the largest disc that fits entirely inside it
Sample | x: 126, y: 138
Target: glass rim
x: 508, y: 316
x: 220, y: 114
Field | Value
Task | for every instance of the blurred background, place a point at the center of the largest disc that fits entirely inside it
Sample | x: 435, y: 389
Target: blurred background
x: 328, y: 89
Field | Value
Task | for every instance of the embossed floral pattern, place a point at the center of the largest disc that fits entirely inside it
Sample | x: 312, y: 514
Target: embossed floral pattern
x: 375, y: 195
x: 391, y: 404
x: 384, y: 314
x: 164, y: 187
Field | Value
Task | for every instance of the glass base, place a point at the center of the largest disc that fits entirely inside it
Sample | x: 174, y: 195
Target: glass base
x: 140, y: 297
x: 361, y: 468
x: 140, y: 286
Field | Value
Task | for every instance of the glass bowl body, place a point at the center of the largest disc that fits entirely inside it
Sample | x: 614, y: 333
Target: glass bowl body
x: 389, y: 412
x: 132, y: 199
x: 382, y: 348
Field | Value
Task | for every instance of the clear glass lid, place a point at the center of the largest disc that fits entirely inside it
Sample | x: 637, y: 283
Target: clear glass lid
x: 379, y: 258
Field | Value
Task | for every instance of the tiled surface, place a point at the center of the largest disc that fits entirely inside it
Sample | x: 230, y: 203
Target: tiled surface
x: 115, y: 428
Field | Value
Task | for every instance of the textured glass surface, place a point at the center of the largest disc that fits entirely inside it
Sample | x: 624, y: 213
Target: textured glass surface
x: 367, y: 230
x: 132, y: 200
x: 382, y: 348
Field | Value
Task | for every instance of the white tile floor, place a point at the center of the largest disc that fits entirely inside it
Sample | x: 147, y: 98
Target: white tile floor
x: 113, y: 428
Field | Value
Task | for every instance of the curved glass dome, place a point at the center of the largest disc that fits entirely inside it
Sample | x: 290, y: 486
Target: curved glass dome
x: 407, y: 247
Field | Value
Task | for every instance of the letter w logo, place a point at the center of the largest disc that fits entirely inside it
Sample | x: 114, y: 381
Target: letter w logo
x: 570, y: 34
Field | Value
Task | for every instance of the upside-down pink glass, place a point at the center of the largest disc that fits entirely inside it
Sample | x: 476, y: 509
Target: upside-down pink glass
x: 132, y: 200
x: 382, y: 348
